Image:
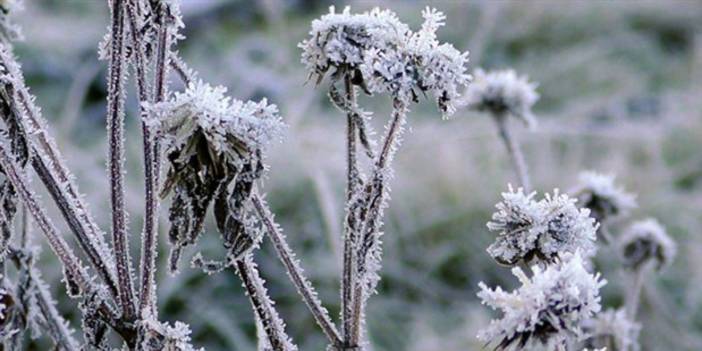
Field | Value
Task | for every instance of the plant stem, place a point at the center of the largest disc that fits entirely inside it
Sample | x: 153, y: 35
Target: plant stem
x: 373, y: 212
x: 115, y: 121
x: 347, y: 280
x: 262, y: 305
x: 295, y: 272
x: 633, y: 299
x: 514, y: 151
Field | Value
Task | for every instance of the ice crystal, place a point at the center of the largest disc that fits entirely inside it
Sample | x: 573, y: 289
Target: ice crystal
x: 602, y: 196
x: 215, y: 141
x: 612, y: 328
x: 502, y: 92
x: 157, y: 336
x: 647, y: 241
x: 547, y: 309
x: 529, y: 229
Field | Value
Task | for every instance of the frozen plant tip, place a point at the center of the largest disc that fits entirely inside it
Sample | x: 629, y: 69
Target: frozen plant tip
x: 612, y: 329
x: 528, y: 229
x: 599, y: 193
x: 548, y: 309
x: 502, y: 93
x: 214, y: 141
x: 646, y: 241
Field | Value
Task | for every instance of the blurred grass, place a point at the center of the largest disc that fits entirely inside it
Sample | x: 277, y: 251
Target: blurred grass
x: 620, y: 84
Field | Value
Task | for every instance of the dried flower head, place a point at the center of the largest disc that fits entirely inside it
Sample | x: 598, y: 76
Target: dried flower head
x: 215, y: 141
x: 613, y: 329
x: 501, y: 93
x: 547, y: 309
x: 528, y: 229
x: 154, y: 335
x: 646, y: 241
x: 602, y: 196
x: 342, y: 40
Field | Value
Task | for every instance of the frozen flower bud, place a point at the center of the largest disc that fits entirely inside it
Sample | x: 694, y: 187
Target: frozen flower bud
x: 613, y: 329
x: 646, y: 241
x: 547, y: 309
x: 419, y: 63
x: 602, y: 196
x: 157, y: 336
x: 528, y: 229
x: 214, y: 141
x: 502, y: 93
x: 340, y: 41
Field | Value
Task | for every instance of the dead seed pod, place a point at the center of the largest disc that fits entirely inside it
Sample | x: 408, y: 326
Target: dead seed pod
x: 215, y: 144
x: 646, y: 241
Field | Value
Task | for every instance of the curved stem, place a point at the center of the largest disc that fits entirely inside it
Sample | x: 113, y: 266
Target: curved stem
x: 514, y: 151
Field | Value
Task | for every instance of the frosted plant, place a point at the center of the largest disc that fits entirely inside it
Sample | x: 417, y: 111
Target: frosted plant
x: 9, y: 31
x: 378, y: 53
x: 613, y: 330
x: 548, y: 309
x: 156, y: 336
x: 503, y: 94
x: 213, y: 142
x: 530, y: 230
x: 646, y: 241
x: 606, y: 201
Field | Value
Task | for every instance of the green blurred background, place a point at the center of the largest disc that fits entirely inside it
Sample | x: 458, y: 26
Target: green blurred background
x: 621, y: 92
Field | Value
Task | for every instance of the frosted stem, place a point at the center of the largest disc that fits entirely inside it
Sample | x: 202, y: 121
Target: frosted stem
x: 262, y: 305
x: 373, y: 212
x: 115, y: 126
x: 295, y: 272
x: 633, y: 298
x: 514, y: 151
x: 347, y: 280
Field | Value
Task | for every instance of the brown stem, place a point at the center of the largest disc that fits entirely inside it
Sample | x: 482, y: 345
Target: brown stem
x: 115, y: 121
x: 302, y: 284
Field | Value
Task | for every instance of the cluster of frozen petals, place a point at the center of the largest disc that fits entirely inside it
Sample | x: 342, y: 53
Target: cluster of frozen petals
x: 647, y: 241
x: 529, y: 230
x: 502, y: 93
x: 603, y: 196
x: 548, y: 309
x: 384, y: 56
x: 231, y: 127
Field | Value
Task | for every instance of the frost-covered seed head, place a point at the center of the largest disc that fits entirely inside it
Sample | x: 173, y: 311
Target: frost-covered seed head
x: 9, y: 31
x: 612, y: 328
x: 501, y: 93
x: 645, y: 241
x: 602, y: 196
x: 547, y: 309
x: 154, y: 335
x: 528, y: 229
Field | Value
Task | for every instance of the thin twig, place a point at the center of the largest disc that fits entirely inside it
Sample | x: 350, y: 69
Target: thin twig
x: 514, y: 151
x: 115, y: 121
x: 295, y: 272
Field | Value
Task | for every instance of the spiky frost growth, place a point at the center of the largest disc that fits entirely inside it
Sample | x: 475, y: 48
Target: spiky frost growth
x: 214, y: 141
x: 602, y: 196
x: 528, y: 229
x: 419, y: 63
x: 612, y: 328
x: 158, y: 336
x: 647, y: 241
x: 9, y: 31
x: 547, y: 309
x: 501, y: 93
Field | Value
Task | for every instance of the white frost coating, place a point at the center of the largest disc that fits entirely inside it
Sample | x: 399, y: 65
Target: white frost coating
x: 529, y: 229
x: 547, y: 309
x: 203, y: 107
x: 612, y: 327
x: 603, y: 196
x: 647, y: 240
x: 162, y: 336
x: 502, y: 92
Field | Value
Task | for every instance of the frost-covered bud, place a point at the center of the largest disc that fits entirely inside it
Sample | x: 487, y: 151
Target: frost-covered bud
x: 341, y: 41
x: 502, y: 93
x: 528, y: 229
x: 612, y: 329
x: 547, y: 309
x: 646, y: 241
x: 602, y: 196
x: 157, y: 336
x: 214, y: 141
